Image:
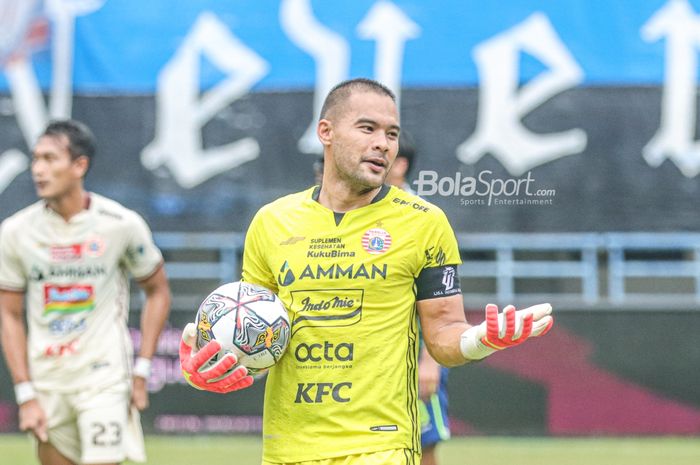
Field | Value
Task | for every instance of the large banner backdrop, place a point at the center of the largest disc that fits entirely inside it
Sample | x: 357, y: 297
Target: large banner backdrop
x: 573, y: 115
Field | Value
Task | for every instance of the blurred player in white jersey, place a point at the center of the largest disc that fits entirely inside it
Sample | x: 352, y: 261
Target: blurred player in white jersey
x: 432, y: 378
x: 67, y: 258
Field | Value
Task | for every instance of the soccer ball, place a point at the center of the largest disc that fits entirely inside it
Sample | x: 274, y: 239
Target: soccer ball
x: 246, y: 319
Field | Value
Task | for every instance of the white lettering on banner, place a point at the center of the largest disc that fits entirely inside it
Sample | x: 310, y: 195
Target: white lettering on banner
x: 675, y: 138
x: 63, y: 14
x: 390, y: 28
x: 24, y: 88
x: 26, y: 99
x: 502, y: 106
x: 384, y: 23
x: 12, y: 163
x: 331, y: 54
x: 31, y: 113
x: 182, y: 113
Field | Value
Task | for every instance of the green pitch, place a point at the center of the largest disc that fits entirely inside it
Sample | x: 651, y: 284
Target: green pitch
x: 245, y: 450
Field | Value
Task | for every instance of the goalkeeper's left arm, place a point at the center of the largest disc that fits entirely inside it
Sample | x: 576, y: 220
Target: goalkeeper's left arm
x: 452, y: 341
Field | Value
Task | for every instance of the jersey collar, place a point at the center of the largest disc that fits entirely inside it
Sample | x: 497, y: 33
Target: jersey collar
x: 383, y: 192
x: 87, y: 202
x: 337, y: 216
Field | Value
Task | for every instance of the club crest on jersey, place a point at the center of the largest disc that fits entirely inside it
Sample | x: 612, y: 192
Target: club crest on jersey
x: 94, y: 247
x: 376, y: 241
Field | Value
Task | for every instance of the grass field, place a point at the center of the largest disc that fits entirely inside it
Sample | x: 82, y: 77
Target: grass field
x: 245, y: 450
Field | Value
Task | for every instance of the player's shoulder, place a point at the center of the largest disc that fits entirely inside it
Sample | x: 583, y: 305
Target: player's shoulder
x: 408, y: 203
x: 110, y: 210
x: 27, y: 216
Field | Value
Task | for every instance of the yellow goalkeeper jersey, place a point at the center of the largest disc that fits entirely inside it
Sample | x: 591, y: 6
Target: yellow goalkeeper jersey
x: 348, y: 381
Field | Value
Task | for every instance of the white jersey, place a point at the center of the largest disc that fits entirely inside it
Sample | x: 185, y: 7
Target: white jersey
x: 74, y: 275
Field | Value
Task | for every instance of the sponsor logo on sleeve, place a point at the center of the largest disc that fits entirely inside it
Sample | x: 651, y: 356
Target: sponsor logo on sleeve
x: 435, y: 255
x: 136, y: 252
x: 448, y: 278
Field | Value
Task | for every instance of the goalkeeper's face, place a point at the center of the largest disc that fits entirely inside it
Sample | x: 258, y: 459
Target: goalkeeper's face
x: 364, y: 140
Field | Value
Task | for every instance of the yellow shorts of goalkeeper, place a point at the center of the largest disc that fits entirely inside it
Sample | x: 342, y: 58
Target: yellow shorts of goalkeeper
x: 385, y: 457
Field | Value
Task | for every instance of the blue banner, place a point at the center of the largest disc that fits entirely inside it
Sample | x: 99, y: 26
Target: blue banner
x: 122, y: 46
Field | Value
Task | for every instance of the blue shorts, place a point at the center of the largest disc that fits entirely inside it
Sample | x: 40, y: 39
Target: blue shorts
x: 435, y: 426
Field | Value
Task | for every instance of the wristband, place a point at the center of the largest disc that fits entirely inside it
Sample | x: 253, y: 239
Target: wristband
x: 471, y: 346
x: 142, y: 367
x: 24, y: 392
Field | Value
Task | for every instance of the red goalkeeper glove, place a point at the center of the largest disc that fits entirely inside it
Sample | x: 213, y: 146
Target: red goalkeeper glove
x: 504, y: 330
x: 220, y: 377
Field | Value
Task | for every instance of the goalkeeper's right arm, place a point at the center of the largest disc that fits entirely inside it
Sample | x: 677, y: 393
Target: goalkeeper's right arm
x: 220, y: 377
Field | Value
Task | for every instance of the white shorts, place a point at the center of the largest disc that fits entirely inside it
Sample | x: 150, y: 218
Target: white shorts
x: 94, y: 426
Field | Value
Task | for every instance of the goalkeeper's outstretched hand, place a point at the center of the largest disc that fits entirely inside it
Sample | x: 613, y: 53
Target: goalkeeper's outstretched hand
x: 507, y: 329
x: 215, y: 378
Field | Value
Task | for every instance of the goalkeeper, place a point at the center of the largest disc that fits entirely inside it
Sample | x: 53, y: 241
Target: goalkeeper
x: 357, y: 263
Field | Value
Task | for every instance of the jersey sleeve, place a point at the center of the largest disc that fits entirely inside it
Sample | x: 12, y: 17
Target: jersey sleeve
x: 439, y: 243
x: 255, y: 267
x: 12, y: 276
x: 438, y: 276
x: 142, y: 257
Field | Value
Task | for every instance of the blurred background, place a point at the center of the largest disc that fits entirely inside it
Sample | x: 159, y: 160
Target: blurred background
x: 560, y: 137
